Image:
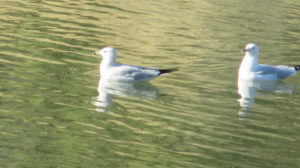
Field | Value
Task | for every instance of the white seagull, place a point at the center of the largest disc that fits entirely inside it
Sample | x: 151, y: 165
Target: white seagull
x: 250, y: 69
x: 110, y: 70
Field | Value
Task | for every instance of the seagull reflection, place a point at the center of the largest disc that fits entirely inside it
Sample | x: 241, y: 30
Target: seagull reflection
x: 107, y: 89
x: 247, y: 89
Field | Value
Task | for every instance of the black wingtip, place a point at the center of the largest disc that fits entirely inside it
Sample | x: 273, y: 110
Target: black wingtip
x: 164, y: 71
x: 297, y: 67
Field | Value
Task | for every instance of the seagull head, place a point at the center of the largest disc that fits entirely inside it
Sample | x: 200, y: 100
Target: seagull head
x: 251, y: 49
x: 107, y: 53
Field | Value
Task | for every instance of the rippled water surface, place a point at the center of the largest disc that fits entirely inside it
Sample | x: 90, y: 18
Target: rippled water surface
x: 54, y: 114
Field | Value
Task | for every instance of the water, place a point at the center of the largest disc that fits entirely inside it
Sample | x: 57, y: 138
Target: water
x: 52, y: 116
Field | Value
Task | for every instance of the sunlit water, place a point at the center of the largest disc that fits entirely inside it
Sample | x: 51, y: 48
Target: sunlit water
x: 55, y: 113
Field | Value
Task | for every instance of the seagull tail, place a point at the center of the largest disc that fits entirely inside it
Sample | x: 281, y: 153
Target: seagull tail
x: 164, y: 71
x: 297, y: 67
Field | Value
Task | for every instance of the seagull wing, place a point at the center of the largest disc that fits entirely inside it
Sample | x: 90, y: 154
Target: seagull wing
x: 133, y: 73
x: 282, y: 71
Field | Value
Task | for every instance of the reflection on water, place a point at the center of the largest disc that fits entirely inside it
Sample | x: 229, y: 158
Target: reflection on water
x: 107, y: 89
x: 248, y: 88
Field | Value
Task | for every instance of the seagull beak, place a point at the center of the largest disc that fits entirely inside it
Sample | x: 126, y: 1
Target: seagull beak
x: 245, y: 50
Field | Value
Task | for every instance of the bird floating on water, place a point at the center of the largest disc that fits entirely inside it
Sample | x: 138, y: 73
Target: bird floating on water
x: 111, y: 70
x: 250, y: 69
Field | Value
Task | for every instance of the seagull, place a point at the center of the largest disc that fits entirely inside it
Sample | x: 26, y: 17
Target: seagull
x: 250, y: 69
x: 110, y: 70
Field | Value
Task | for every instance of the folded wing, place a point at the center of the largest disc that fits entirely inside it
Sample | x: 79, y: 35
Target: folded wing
x: 281, y: 71
x: 133, y: 73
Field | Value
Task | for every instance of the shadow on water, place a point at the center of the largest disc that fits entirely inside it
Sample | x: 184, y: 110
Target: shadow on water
x: 107, y: 89
x: 248, y: 91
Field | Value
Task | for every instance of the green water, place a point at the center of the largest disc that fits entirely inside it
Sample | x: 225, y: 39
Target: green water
x: 51, y: 114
